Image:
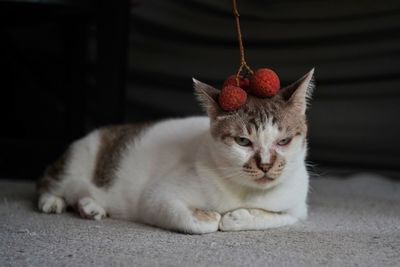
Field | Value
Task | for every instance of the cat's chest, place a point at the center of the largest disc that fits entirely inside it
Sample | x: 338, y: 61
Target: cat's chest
x: 263, y: 202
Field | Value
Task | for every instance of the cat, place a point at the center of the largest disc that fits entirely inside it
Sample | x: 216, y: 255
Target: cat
x: 228, y: 171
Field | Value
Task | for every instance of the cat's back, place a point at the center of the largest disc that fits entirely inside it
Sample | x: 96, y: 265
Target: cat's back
x: 134, y: 148
x: 174, y: 131
x: 164, y: 142
x: 113, y: 141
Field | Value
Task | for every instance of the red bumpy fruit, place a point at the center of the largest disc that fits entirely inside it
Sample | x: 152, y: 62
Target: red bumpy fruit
x: 243, y: 82
x: 264, y: 83
x: 232, y: 98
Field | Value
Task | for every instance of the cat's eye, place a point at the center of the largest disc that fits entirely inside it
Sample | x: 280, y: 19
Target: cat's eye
x: 242, y: 141
x: 284, y: 141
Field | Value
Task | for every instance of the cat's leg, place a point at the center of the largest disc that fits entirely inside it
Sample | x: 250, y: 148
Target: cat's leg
x: 68, y: 179
x: 49, y: 203
x: 176, y: 215
x: 88, y: 208
x: 254, y: 219
x: 50, y: 199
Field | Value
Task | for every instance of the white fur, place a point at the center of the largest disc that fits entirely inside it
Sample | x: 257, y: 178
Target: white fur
x: 176, y: 167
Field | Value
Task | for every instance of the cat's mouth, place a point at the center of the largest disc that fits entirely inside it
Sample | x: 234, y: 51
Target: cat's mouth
x: 264, y: 180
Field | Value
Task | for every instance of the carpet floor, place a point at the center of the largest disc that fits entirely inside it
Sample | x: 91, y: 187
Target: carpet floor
x: 352, y: 222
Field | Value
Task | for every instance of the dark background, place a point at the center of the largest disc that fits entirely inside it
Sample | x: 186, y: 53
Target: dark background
x: 70, y: 66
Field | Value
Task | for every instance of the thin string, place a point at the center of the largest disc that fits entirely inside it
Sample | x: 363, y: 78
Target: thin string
x: 243, y: 63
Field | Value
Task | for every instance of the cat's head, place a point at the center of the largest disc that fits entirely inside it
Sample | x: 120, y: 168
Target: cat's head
x: 262, y: 140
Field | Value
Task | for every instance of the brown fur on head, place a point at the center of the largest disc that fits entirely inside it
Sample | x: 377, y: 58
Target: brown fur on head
x: 266, y: 123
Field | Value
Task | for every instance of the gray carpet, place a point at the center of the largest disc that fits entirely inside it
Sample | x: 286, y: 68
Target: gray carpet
x: 352, y: 222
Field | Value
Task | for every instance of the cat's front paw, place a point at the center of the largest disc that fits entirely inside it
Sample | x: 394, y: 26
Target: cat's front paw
x: 51, y: 204
x: 89, y: 209
x: 236, y: 220
x: 204, y: 222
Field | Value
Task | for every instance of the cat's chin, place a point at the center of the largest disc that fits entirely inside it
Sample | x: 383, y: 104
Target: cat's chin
x: 264, y: 180
x: 261, y: 183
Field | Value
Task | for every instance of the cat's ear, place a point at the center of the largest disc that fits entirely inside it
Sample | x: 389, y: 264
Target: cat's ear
x: 298, y: 93
x: 208, y: 97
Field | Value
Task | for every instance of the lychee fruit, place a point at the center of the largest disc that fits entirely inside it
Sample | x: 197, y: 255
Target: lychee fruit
x: 243, y: 82
x: 232, y: 98
x: 264, y: 83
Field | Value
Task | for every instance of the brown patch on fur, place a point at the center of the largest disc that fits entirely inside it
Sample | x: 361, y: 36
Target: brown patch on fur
x: 205, y: 216
x: 277, y: 168
x: 113, y: 142
x: 293, y: 124
x: 251, y: 116
x: 286, y: 109
x: 53, y: 174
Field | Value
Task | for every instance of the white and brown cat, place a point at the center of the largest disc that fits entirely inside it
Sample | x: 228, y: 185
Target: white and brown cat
x: 230, y: 171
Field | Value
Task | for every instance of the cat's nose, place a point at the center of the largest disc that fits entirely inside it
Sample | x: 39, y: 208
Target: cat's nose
x: 264, y: 166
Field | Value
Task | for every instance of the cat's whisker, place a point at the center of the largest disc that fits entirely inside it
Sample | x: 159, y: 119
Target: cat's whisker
x: 231, y: 172
x: 235, y: 175
x: 235, y: 172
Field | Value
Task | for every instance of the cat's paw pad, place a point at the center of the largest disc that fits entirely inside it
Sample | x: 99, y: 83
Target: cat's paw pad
x: 235, y: 220
x: 51, y: 204
x: 89, y: 209
x: 204, y: 222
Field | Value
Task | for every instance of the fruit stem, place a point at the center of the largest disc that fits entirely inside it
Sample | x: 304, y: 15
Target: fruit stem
x: 243, y: 63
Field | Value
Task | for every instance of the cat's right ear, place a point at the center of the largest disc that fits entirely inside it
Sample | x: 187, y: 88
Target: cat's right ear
x: 298, y: 93
x: 208, y: 98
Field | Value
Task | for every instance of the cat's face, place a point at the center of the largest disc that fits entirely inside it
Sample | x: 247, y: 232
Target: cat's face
x: 259, y: 142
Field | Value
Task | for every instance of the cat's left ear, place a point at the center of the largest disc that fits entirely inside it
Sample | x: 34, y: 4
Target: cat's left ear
x: 298, y: 93
x: 208, y: 98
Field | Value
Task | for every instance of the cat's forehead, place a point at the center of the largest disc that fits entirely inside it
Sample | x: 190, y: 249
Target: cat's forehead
x: 260, y: 114
x: 260, y: 117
